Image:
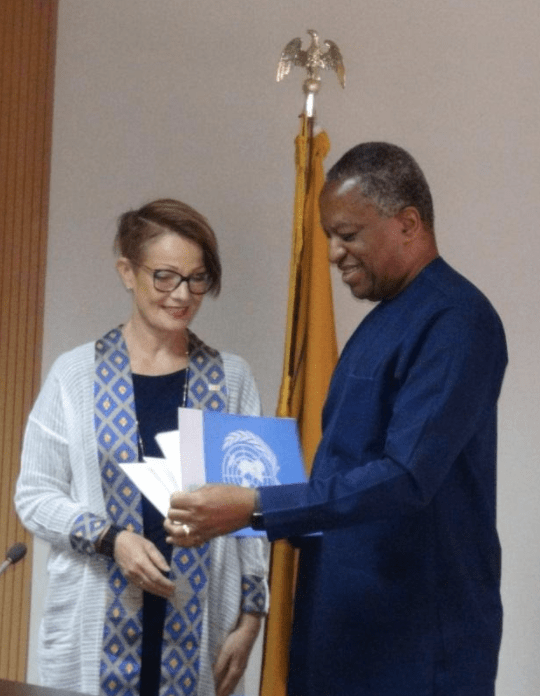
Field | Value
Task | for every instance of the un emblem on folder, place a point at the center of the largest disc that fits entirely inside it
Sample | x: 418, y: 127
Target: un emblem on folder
x: 248, y: 461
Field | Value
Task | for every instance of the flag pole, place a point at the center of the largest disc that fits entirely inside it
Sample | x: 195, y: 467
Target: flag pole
x: 310, y: 345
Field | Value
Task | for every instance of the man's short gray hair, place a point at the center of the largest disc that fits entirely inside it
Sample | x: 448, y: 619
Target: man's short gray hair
x: 389, y: 176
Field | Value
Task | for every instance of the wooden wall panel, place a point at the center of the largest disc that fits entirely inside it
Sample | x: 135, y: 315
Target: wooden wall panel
x: 27, y: 54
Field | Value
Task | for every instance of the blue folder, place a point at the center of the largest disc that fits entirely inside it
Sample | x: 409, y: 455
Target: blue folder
x: 251, y: 451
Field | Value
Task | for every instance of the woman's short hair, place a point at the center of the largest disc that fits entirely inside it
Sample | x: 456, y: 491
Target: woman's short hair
x: 136, y: 228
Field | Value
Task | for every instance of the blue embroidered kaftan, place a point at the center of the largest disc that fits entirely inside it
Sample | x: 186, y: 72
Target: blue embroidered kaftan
x: 400, y: 595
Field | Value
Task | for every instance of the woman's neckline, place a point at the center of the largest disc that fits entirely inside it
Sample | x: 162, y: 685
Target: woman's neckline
x: 165, y: 374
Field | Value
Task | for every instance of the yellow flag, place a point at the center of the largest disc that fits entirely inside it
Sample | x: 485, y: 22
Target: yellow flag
x: 310, y: 358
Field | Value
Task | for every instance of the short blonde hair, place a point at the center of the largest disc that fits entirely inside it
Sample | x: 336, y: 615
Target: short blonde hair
x: 137, y: 227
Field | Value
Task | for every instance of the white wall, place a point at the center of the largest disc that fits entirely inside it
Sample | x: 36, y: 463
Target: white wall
x: 178, y: 98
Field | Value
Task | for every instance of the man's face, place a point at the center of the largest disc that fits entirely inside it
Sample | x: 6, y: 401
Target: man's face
x: 368, y: 248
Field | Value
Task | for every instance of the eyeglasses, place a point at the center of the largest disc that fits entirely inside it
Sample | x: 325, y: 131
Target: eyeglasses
x: 167, y: 281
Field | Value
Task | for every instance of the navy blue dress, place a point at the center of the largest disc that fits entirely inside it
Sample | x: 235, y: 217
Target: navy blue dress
x: 157, y: 399
x: 400, y: 594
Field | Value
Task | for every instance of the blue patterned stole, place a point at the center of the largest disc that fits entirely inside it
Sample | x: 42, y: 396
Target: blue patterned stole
x: 117, y: 437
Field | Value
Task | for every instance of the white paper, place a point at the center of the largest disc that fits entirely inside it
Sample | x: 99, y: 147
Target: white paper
x: 158, y: 478
x: 190, y: 423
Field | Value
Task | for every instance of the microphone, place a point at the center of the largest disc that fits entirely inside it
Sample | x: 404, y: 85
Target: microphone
x: 13, y: 555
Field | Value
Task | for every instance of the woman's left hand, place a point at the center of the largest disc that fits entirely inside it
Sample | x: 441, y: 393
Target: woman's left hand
x: 233, y: 657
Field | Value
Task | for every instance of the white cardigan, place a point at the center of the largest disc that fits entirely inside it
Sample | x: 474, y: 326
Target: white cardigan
x: 60, y: 479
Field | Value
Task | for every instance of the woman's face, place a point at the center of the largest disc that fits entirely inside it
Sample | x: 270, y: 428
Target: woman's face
x: 164, y: 311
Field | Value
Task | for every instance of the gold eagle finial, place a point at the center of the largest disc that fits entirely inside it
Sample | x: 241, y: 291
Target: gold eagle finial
x: 314, y: 59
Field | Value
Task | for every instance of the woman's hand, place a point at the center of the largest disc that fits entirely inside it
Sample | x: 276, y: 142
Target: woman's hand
x: 233, y: 657
x: 142, y: 563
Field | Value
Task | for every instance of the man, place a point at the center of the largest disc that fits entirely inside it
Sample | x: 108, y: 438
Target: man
x: 399, y: 593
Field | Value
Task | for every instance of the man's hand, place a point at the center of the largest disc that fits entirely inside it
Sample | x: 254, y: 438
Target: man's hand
x: 211, y: 511
x: 233, y: 657
x: 141, y: 562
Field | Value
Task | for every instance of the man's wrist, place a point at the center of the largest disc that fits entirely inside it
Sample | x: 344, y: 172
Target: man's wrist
x: 257, y: 519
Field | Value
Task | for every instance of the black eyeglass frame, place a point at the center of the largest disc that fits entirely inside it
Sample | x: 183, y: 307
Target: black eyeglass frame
x: 181, y: 279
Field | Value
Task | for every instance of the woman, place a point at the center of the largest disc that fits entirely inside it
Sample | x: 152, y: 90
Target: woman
x: 126, y: 613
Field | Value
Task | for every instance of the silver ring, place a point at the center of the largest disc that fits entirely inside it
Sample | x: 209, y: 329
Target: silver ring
x: 186, y: 529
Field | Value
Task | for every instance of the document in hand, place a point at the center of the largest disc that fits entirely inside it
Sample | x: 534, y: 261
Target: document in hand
x: 213, y: 447
x: 248, y: 451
